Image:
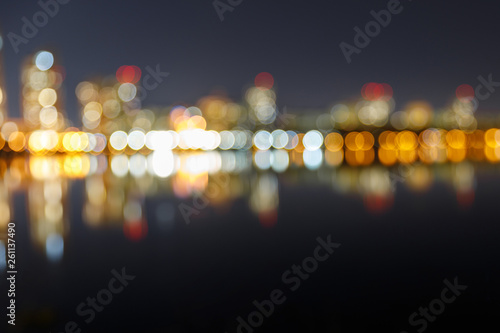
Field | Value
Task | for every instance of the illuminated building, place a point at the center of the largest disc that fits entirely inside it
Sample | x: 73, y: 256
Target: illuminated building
x: 102, y: 110
x: 42, y: 93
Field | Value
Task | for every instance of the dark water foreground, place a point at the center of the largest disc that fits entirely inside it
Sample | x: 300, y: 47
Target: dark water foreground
x: 329, y: 250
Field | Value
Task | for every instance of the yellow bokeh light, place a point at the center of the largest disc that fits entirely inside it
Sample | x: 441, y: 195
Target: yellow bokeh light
x: 476, y: 139
x: 76, y: 165
x: 111, y: 108
x: 387, y: 140
x: 297, y: 158
x: 406, y: 140
x: 213, y: 108
x: 48, y: 116
x: 420, y: 178
x: 387, y: 156
x: 359, y: 141
x: 367, y: 140
x: 5, y: 216
x: 476, y: 154
x: 180, y: 124
x: 407, y: 156
x: 300, y: 145
x: 44, y: 167
x: 456, y: 139
x: 334, y: 157
x: 456, y: 155
x: 350, y: 141
x: 334, y: 142
x: 86, y: 92
x: 359, y: 157
x: 432, y: 138
x: 492, y: 154
x: 7, y: 129
x: 419, y: 114
x: 35, y: 142
x: 75, y: 142
x: 431, y: 155
x: 196, y: 122
x: 492, y: 137
x: 66, y: 141
x: 47, y: 97
x: 17, y: 141
x: 93, y: 111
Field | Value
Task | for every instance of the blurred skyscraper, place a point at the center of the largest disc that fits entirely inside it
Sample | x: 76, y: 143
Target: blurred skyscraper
x: 42, y: 93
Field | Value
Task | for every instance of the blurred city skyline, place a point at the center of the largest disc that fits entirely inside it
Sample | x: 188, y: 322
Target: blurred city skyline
x: 92, y: 39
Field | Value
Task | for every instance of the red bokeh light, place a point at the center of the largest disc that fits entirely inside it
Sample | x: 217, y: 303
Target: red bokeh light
x: 268, y: 219
x: 388, y: 92
x: 465, y: 92
x: 128, y: 74
x: 378, y: 204
x: 264, y: 81
x: 465, y: 198
x: 135, y: 230
x: 372, y: 91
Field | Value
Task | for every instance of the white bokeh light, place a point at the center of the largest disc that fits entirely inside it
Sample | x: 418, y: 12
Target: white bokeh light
x: 44, y: 60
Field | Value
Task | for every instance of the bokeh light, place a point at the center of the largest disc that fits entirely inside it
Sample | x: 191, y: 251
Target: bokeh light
x: 264, y: 81
x: 263, y: 140
x: 465, y: 92
x: 128, y: 74
x: 44, y: 60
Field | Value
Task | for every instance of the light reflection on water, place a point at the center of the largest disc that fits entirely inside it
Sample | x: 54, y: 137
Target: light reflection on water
x: 116, y: 187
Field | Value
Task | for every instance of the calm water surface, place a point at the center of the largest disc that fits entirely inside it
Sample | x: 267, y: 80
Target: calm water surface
x: 205, y: 237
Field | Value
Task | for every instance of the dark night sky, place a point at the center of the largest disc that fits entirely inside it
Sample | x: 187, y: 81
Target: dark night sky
x: 425, y: 52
